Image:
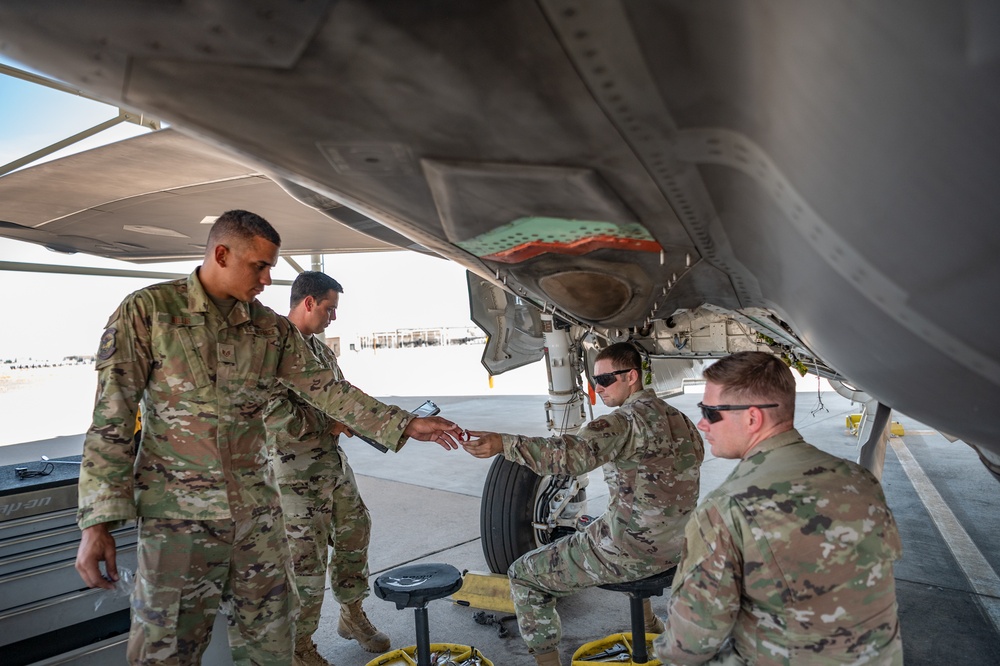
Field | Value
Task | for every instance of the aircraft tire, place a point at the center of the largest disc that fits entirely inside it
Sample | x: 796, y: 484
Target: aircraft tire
x: 506, y: 513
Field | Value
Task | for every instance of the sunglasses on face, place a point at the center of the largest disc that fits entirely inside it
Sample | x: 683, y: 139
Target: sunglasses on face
x: 609, y: 378
x: 712, y: 412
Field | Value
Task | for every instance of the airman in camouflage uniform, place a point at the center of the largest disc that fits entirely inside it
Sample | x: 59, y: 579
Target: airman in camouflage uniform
x: 652, y: 456
x: 204, y: 357
x: 789, y: 561
x: 319, y: 495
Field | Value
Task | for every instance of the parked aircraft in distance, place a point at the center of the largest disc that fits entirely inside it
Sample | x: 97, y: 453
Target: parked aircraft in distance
x: 815, y: 178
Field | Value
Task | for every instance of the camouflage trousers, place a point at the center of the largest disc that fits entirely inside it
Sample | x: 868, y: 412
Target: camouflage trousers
x: 186, y: 567
x: 726, y: 656
x: 323, y: 509
x: 558, y: 569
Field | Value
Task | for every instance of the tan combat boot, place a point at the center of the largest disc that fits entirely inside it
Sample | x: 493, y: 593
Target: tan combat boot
x: 306, y: 653
x: 549, y: 658
x: 355, y: 624
x: 653, y: 624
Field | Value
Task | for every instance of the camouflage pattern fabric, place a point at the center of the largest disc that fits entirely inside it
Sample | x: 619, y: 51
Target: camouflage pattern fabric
x: 653, y: 455
x: 204, y: 382
x: 791, y: 557
x: 187, y: 566
x: 321, y: 502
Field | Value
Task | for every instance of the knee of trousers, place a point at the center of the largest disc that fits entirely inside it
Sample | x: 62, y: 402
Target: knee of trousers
x: 526, y: 581
x: 529, y: 596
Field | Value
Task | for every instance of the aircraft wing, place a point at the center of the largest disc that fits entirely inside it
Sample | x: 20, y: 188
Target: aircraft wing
x: 818, y: 176
x: 152, y: 198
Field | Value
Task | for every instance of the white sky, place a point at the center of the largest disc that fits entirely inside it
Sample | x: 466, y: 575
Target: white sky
x: 50, y: 316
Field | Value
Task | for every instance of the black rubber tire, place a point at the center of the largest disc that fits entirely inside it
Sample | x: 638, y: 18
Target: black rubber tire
x: 506, y: 513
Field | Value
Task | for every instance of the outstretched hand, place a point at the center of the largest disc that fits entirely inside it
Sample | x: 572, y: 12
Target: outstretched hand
x: 435, y: 429
x: 486, y: 444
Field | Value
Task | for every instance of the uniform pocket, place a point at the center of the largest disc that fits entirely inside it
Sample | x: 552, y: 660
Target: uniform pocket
x: 263, y: 357
x: 155, y: 611
x: 179, y: 354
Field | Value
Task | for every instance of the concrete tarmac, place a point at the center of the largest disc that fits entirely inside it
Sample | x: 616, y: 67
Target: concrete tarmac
x: 425, y: 505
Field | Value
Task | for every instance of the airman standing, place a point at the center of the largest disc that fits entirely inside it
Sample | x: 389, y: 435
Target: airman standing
x: 319, y: 495
x: 204, y: 357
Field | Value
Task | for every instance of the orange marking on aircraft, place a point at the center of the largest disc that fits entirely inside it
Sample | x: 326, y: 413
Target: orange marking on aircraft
x: 526, y: 251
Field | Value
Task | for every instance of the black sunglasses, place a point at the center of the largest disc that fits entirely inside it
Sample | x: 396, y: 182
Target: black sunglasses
x: 711, y: 412
x: 609, y: 378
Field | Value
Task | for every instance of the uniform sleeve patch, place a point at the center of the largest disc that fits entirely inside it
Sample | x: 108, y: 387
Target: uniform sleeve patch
x: 107, y: 347
x: 598, y: 425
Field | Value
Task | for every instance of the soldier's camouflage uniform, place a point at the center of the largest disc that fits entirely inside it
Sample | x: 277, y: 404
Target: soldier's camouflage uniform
x: 321, y: 502
x: 792, y: 558
x: 201, y: 483
x: 654, y: 456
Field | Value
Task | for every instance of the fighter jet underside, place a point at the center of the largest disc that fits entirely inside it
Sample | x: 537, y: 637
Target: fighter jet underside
x: 816, y: 178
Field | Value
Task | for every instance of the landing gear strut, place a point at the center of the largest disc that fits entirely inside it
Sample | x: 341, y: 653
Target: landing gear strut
x: 520, y: 510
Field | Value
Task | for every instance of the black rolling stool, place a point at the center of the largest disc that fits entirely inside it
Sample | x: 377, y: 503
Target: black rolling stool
x: 413, y: 586
x: 637, y: 590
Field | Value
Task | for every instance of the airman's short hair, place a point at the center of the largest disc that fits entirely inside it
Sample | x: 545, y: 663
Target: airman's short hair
x: 313, y: 283
x: 240, y: 226
x: 754, y: 377
x: 623, y: 356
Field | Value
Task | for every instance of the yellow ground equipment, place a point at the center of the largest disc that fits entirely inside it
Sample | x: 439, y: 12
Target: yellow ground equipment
x: 488, y: 591
x: 460, y: 654
x: 853, y: 424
